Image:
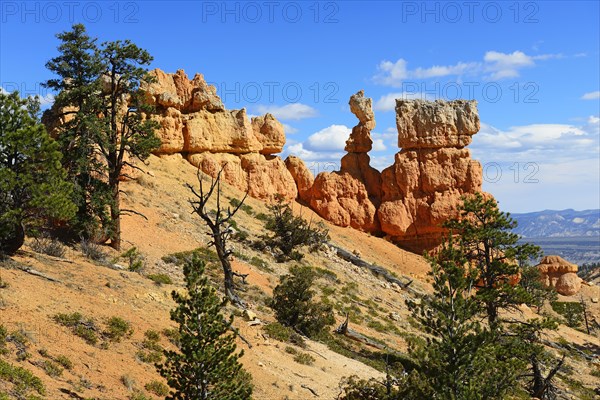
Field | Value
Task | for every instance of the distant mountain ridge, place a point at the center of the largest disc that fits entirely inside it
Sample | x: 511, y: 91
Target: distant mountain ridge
x: 564, y: 223
x: 573, y: 235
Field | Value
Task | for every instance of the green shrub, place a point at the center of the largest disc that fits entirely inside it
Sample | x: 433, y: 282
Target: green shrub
x: 291, y: 350
x: 157, y: 387
x: 3, y: 337
x: 150, y: 357
x: 64, y: 361
x: 52, y: 369
x: 172, y: 334
x: 261, y: 264
x: 278, y: 332
x: 80, y: 326
x: 572, y: 312
x: 152, y: 335
x: 117, y: 328
x: 128, y: 382
x: 262, y: 217
x: 137, y: 395
x: 160, y: 279
x: 244, y: 207
x: 135, y: 259
x: 294, y: 306
x: 304, y: 358
x: 51, y: 247
x: 22, y: 379
x: 205, y: 254
x: 290, y: 232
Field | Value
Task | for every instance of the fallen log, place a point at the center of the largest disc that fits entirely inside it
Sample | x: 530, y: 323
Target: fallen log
x: 343, y: 329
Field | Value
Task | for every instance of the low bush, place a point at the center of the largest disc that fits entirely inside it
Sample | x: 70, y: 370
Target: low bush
x: 304, y: 358
x: 48, y: 246
x: 157, y: 387
x: 93, y: 251
x: 80, y: 326
x: 160, y: 279
x: 22, y: 379
x: 117, y: 328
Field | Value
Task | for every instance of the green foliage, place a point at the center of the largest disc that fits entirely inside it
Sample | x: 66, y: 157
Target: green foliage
x: 157, y: 387
x: 99, y: 87
x: 206, y: 364
x: 290, y: 232
x: 572, y: 312
x: 260, y: 264
x: 134, y: 258
x: 533, y: 285
x: 64, y: 361
x: 52, y: 369
x: 33, y: 189
x: 294, y: 306
x: 244, y: 207
x: 22, y: 379
x: 278, y: 332
x: 160, y: 279
x: 304, y: 359
x: 3, y: 337
x: 80, y: 326
x: 485, y: 237
x: 117, y: 328
x: 152, y: 350
x: 204, y: 254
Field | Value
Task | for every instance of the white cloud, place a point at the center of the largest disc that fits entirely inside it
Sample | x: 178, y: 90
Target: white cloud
x: 3, y: 91
x: 552, y: 143
x: 591, y: 95
x: 47, y: 100
x: 495, y: 65
x: 504, y: 65
x: 387, y: 102
x: 294, y: 111
x: 289, y: 130
x: 332, y: 138
x: 391, y: 74
x: 307, y: 155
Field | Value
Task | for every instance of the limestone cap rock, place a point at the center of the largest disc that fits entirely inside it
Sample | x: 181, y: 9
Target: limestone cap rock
x: 555, y: 265
x: 436, y: 124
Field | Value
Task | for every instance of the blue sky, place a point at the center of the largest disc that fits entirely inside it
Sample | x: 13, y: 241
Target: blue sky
x: 533, y: 66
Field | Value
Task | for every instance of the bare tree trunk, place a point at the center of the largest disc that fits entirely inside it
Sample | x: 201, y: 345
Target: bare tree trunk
x: 115, y: 214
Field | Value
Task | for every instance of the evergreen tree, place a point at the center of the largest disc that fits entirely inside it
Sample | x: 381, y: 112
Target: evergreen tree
x: 206, y: 365
x: 100, y: 108
x: 456, y: 361
x: 75, y: 119
x: 485, y: 234
x: 33, y: 190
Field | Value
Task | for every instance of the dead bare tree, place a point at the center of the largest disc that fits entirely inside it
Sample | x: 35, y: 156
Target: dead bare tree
x: 221, y: 230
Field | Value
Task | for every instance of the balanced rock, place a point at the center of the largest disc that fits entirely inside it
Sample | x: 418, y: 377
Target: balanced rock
x: 558, y: 273
x: 425, y: 185
x: 350, y: 196
x: 426, y: 124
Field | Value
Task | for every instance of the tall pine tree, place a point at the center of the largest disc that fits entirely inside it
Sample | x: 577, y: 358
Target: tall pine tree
x: 99, y: 111
x: 206, y: 365
x: 33, y: 190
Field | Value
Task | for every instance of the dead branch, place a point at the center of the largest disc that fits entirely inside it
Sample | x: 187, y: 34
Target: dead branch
x: 34, y: 272
x: 313, y: 391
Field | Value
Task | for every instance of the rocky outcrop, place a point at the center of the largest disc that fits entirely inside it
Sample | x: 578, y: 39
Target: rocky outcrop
x: 410, y: 200
x: 431, y: 173
x: 350, y: 196
x: 302, y: 176
x: 560, y: 274
x: 193, y: 120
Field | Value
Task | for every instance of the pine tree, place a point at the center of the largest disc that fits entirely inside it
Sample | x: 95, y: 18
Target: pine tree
x: 455, y: 361
x: 76, y: 122
x: 33, y: 190
x: 206, y: 366
x: 485, y: 234
x: 100, y: 111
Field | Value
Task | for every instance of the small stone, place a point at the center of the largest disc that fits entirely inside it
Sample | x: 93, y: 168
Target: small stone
x: 394, y: 316
x: 594, y: 299
x: 250, y: 315
x: 260, y: 364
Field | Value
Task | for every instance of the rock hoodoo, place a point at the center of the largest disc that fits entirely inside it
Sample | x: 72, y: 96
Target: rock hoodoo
x: 409, y: 200
x: 350, y: 196
x: 560, y: 274
x: 432, y: 171
x: 194, y: 121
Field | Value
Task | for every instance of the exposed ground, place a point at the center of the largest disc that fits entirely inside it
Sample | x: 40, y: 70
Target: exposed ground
x: 111, y: 370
